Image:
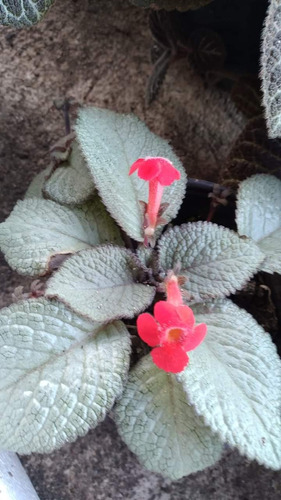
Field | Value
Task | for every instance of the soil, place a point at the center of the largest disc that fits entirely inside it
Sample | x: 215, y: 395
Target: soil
x: 97, y: 51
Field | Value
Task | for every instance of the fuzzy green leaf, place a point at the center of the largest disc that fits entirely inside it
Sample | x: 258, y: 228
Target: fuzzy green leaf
x: 111, y: 142
x: 37, y: 230
x: 71, y: 182
x: 23, y: 13
x: 101, y: 284
x: 35, y: 188
x: 59, y: 373
x: 233, y: 379
x: 158, y: 424
x: 215, y: 261
x: 146, y: 256
x: 271, y: 69
x: 181, y: 5
x: 258, y: 216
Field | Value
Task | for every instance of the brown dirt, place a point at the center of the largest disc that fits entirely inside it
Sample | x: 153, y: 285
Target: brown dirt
x: 97, y: 51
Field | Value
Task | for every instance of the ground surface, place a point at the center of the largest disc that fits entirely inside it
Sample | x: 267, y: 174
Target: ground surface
x: 98, y: 53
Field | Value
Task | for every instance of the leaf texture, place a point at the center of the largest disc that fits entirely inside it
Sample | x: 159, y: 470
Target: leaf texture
x: 70, y: 183
x: 101, y: 284
x: 158, y: 424
x: 233, y: 379
x: 35, y: 188
x: 37, y: 229
x: 59, y: 374
x: 23, y: 13
x: 215, y: 261
x: 258, y: 216
x: 111, y: 143
x: 271, y: 69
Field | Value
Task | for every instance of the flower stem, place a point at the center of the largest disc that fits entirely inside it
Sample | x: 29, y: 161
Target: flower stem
x: 153, y: 206
x: 173, y: 291
x: 154, y: 201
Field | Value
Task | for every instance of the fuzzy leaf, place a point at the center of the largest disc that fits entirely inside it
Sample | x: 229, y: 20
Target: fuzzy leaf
x: 157, y: 422
x: 146, y: 256
x: 36, y: 230
x: 233, y: 379
x: 271, y: 69
x: 111, y: 142
x: 71, y: 182
x: 23, y: 13
x: 215, y: 260
x: 35, y: 188
x: 101, y: 284
x: 258, y: 216
x: 181, y: 5
x: 59, y: 373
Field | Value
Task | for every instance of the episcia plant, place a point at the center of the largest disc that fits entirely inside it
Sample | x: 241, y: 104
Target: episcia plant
x: 119, y: 279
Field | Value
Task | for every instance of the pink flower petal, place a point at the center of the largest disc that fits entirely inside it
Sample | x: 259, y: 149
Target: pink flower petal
x: 192, y: 340
x: 170, y: 358
x: 168, y: 173
x: 148, y: 168
x: 156, y: 167
x: 166, y: 314
x: 186, y: 315
x: 148, y: 329
x: 135, y: 165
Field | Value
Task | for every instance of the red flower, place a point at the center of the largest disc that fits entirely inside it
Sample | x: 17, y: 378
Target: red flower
x: 172, y: 332
x: 156, y: 168
x: 159, y: 172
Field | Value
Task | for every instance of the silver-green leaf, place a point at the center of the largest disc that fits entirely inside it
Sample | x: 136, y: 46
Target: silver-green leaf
x: 70, y: 183
x: 101, y: 284
x: 146, y: 256
x: 59, y: 373
x: 38, y: 229
x: 23, y: 13
x: 233, y: 379
x: 35, y: 188
x: 271, y: 69
x: 258, y: 216
x: 158, y: 424
x: 111, y: 142
x: 214, y: 260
